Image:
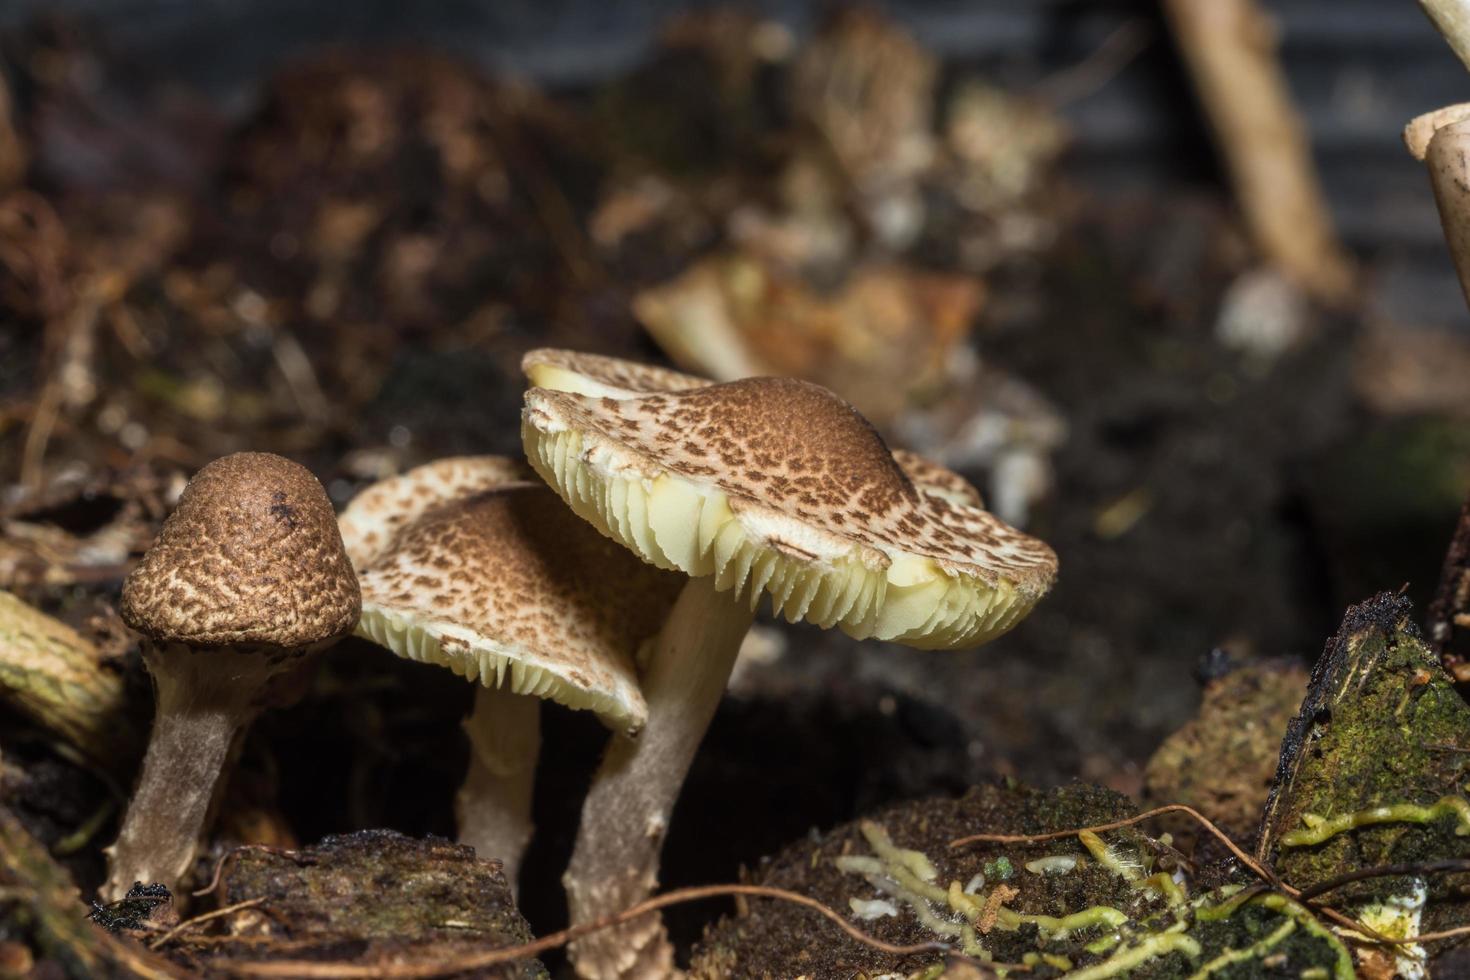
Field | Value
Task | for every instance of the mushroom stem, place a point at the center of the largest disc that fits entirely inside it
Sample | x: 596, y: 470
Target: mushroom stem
x: 494, y: 802
x: 615, y: 862
x: 1448, y: 160
x: 200, y: 709
x: 1452, y: 19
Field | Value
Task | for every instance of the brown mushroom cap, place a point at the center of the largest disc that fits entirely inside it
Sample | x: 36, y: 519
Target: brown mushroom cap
x: 509, y: 588
x: 778, y: 485
x: 370, y: 522
x: 611, y: 377
x: 250, y: 557
x: 599, y: 376
x: 930, y: 477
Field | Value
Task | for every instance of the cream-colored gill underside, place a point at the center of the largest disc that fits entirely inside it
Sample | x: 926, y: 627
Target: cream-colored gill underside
x: 679, y: 523
x: 565, y: 379
x: 498, y: 665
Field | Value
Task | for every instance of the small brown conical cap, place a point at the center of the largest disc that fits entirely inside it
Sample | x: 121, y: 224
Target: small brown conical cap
x: 251, y: 556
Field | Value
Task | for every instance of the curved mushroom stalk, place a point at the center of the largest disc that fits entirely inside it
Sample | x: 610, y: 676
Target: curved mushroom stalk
x: 470, y: 565
x: 761, y: 486
x: 246, y: 579
x: 626, y: 814
x: 196, y: 721
x: 493, y: 807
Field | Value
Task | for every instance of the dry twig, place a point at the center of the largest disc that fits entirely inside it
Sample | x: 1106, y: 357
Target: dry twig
x: 188, y: 924
x: 448, y: 967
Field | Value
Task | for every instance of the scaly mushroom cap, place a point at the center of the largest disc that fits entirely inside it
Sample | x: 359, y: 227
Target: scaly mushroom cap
x: 509, y: 588
x: 602, y: 377
x: 611, y: 377
x: 779, y: 486
x: 375, y: 515
x: 938, y: 480
x: 250, y: 557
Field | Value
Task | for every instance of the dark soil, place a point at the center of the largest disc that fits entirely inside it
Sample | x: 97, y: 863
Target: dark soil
x: 348, y: 274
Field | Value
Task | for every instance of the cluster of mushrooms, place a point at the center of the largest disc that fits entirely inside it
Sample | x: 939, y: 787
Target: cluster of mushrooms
x: 618, y: 572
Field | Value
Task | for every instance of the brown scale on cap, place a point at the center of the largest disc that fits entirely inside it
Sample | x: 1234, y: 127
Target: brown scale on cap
x: 511, y: 581
x: 799, y: 450
x: 375, y: 516
x: 251, y: 556
x: 630, y: 378
x: 940, y: 481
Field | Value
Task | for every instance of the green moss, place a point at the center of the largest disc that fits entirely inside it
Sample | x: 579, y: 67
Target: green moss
x: 1129, y: 958
x: 1371, y: 767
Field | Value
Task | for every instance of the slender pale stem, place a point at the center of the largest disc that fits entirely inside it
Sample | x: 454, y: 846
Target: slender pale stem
x: 626, y: 814
x: 204, y: 698
x: 1448, y: 160
x: 494, y: 803
x: 1452, y: 18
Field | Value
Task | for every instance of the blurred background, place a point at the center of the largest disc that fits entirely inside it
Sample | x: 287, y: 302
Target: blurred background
x: 1031, y: 239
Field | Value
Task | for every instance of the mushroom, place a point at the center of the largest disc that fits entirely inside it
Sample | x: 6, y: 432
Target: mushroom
x: 763, y: 485
x: 473, y: 564
x: 373, y: 517
x: 247, y: 577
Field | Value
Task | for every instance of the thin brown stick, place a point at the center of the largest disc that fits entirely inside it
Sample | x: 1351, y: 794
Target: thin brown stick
x: 1430, y: 937
x: 1372, y: 936
x: 1116, y: 52
x: 1263, y: 872
x: 219, y: 865
x: 1369, y: 934
x: 1385, y: 871
x: 1230, y: 48
x: 423, y: 971
x: 188, y: 924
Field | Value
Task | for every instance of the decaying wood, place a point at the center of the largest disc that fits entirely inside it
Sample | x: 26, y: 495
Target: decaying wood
x: 59, y: 679
x: 1230, y: 48
x: 37, y: 895
x: 1451, y: 607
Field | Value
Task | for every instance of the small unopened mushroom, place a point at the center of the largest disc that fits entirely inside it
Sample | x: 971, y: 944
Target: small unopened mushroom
x: 247, y: 577
x: 476, y: 566
x: 763, y: 485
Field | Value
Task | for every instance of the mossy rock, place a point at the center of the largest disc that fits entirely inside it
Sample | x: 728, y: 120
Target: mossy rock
x: 366, y: 897
x: 1118, y: 898
x: 1222, y: 761
x: 1373, y: 769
